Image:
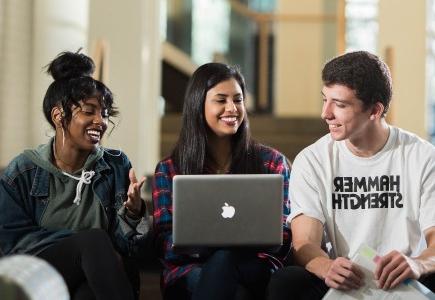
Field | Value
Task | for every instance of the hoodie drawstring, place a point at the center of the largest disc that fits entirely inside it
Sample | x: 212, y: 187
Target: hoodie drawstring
x: 85, y: 178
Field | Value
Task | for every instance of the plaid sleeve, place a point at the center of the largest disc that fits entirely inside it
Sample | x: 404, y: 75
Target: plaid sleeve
x: 175, y: 265
x: 277, y: 163
x: 162, y: 200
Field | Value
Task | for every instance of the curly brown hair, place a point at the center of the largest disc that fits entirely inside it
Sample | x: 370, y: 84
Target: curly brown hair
x: 364, y: 73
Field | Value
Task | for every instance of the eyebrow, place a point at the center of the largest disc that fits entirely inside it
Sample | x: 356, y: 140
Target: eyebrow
x: 226, y: 95
x: 337, y: 100
x: 93, y: 105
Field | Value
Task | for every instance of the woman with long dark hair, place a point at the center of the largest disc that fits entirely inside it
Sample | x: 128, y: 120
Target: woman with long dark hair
x: 71, y: 201
x: 215, y: 139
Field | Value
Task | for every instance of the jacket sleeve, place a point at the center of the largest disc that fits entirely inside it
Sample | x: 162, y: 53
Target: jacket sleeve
x: 19, y: 229
x: 132, y: 237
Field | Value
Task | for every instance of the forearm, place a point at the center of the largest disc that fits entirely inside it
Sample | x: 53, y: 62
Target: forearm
x: 426, y: 261
x: 312, y: 257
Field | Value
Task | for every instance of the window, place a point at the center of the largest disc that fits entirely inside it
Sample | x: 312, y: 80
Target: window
x: 210, y: 29
x: 362, y: 25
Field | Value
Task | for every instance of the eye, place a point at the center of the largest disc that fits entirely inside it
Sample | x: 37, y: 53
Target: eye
x: 87, y: 109
x: 221, y: 100
x: 238, y: 100
x: 340, y: 105
x: 87, y: 112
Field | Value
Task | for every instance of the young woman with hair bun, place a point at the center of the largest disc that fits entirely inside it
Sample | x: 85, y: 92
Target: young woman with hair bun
x: 71, y: 201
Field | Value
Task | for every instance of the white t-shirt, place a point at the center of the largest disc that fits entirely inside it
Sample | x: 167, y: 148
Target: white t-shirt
x: 385, y: 201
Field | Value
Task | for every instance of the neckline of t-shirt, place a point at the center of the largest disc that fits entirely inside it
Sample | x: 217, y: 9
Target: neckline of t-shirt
x: 375, y: 158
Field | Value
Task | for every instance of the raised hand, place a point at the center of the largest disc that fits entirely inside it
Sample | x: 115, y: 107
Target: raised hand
x: 134, y: 203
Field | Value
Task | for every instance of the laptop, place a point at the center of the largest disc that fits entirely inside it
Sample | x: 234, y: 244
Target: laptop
x: 227, y: 210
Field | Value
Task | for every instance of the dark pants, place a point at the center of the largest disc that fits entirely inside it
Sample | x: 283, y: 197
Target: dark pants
x: 227, y: 274
x: 294, y: 282
x: 90, y: 266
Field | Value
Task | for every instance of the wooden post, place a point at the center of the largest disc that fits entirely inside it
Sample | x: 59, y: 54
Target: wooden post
x: 100, y: 57
x: 389, y: 60
x: 341, y: 26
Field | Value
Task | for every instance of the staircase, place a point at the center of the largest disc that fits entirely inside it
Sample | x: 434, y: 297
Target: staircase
x: 288, y: 135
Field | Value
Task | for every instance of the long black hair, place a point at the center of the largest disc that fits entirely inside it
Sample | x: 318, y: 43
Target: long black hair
x: 73, y: 82
x: 191, y: 152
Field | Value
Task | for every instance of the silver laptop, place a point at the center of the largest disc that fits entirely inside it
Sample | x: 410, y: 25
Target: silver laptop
x: 227, y: 210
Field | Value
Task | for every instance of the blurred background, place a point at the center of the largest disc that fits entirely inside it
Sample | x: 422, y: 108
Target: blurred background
x: 146, y: 50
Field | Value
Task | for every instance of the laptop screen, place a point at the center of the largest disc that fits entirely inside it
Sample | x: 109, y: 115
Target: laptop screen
x: 227, y: 210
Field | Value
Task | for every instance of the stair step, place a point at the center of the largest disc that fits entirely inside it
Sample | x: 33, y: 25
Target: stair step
x: 288, y: 135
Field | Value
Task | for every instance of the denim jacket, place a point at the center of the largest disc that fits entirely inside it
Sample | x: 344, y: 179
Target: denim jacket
x: 24, y: 189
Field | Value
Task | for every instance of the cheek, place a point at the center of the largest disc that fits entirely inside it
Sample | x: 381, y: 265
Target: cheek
x: 210, y: 112
x: 242, y: 111
x: 208, y: 118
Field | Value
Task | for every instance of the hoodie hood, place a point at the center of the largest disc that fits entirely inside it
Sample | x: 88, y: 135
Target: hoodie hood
x: 42, y: 157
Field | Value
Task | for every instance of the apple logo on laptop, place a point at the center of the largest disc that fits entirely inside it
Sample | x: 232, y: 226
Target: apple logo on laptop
x: 228, y: 211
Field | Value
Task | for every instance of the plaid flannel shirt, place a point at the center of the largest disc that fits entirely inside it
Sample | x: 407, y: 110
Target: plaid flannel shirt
x: 177, y: 265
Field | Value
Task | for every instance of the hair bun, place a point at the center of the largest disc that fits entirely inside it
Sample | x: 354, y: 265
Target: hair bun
x: 70, y: 65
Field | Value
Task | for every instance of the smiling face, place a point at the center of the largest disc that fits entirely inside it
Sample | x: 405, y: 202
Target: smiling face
x: 224, y: 108
x: 88, y: 125
x: 344, y: 113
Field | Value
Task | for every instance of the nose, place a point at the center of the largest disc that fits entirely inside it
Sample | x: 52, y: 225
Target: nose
x: 230, y: 106
x: 98, y: 119
x: 326, y: 110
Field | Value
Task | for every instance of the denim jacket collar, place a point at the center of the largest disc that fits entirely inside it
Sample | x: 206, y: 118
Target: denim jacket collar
x: 41, y: 180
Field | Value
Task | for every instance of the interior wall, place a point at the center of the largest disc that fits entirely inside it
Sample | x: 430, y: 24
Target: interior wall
x: 299, y: 56
x: 15, y: 61
x: 132, y: 33
x: 403, y: 28
x: 32, y: 34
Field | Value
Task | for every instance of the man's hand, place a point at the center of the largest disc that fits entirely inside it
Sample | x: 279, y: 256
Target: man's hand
x: 134, y: 202
x: 393, y: 268
x: 342, y: 274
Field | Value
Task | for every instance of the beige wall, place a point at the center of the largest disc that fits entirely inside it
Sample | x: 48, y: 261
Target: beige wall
x: 298, y: 60
x: 131, y: 31
x: 15, y: 60
x: 403, y: 27
x: 32, y: 34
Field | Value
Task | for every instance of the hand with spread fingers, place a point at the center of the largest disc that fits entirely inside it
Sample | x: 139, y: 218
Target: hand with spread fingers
x: 135, y: 205
x: 395, y: 267
x: 342, y: 274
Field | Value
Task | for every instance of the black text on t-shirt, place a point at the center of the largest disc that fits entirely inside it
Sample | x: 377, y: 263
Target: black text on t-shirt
x: 367, y: 192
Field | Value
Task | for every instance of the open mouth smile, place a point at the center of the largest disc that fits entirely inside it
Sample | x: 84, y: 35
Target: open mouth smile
x: 229, y: 120
x: 94, y: 135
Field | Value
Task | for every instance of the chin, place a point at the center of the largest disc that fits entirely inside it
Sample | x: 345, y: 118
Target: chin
x: 337, y: 137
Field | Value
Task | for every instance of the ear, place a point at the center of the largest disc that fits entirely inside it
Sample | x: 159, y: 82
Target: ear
x: 377, y: 111
x: 57, y: 115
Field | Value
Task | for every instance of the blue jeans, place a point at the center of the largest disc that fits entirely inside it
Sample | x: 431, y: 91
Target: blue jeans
x: 227, y: 274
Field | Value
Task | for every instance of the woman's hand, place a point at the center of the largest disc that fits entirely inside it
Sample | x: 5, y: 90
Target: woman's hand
x: 134, y: 204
